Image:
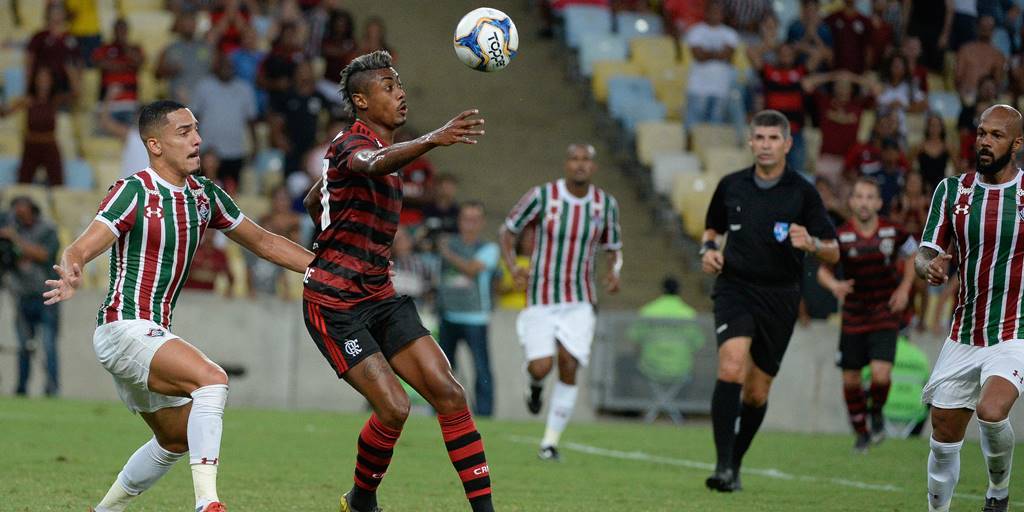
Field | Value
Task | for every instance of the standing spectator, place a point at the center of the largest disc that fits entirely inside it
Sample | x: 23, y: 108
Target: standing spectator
x: 910, y: 209
x: 970, y: 117
x: 294, y: 118
x: 809, y: 35
x: 375, y: 37
x: 265, y: 277
x: 278, y: 68
x: 119, y: 62
x: 977, y: 59
x: 223, y: 103
x: 782, y: 90
x: 911, y: 50
x: 965, y: 24
x: 417, y: 185
x: 881, y: 35
x: 338, y: 47
x: 246, y: 60
x: 185, y: 61
x: 54, y: 49
x: 746, y: 17
x: 413, y: 271
x: 891, y: 175
x: 851, y: 35
x: 839, y: 114
x: 680, y: 15
x: 930, y: 21
x: 897, y: 91
x: 35, y: 245
x: 84, y: 25
x: 40, y: 147
x: 209, y: 264
x: 442, y: 214
x: 468, y: 264
x: 712, y: 74
x: 933, y: 155
x: 230, y: 19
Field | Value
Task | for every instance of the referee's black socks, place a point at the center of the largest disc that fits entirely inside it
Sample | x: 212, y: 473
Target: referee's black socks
x: 751, y: 417
x: 725, y: 407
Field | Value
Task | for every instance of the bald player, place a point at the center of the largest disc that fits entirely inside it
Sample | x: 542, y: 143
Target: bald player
x: 978, y: 218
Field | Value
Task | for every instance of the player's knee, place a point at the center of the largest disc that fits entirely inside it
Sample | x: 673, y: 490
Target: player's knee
x: 730, y: 370
x: 212, y: 375
x: 539, y: 368
x: 173, y: 442
x: 449, y: 397
x: 754, y: 396
x: 395, y: 411
x: 991, y: 412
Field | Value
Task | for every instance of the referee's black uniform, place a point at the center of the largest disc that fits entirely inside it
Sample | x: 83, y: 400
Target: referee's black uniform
x: 758, y: 292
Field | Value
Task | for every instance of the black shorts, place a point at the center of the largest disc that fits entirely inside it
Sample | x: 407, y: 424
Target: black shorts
x: 857, y: 350
x: 346, y: 337
x: 764, y: 314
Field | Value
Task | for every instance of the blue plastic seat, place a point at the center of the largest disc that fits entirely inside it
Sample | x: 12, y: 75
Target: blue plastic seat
x: 597, y: 47
x: 630, y: 25
x: 581, y: 20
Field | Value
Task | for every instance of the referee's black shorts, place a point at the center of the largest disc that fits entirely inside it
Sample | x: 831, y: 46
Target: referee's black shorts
x: 766, y: 315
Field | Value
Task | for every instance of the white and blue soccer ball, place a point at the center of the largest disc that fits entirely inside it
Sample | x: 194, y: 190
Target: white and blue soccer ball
x: 486, y: 39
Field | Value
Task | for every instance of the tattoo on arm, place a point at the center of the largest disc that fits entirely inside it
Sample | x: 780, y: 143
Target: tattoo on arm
x: 925, y: 255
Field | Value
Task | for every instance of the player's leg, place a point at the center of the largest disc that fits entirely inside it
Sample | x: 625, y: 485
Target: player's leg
x: 853, y: 357
x: 754, y: 405
x: 733, y: 365
x: 180, y: 369
x: 1003, y: 377
x: 152, y: 460
x: 536, y: 330
x: 882, y: 353
x: 563, y: 402
x: 422, y: 364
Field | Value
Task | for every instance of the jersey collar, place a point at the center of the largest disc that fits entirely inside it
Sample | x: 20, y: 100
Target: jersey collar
x: 563, y: 191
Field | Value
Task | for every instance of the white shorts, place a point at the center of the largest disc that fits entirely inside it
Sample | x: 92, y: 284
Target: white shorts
x: 125, y: 348
x: 571, y: 324
x: 962, y: 370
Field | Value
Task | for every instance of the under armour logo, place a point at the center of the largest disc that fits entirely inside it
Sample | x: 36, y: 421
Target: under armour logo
x: 961, y: 209
x: 152, y: 212
x: 212, y: 462
x: 352, y: 347
x: 1020, y: 377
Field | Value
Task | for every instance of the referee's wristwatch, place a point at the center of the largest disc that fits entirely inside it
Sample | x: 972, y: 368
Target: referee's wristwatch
x: 709, y: 245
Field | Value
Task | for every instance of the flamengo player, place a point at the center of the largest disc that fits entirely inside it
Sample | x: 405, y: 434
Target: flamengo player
x: 155, y: 219
x: 362, y: 328
x: 574, y: 219
x: 874, y: 295
x: 981, y: 365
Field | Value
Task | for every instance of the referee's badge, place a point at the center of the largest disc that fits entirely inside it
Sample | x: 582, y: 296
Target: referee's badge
x: 781, y: 231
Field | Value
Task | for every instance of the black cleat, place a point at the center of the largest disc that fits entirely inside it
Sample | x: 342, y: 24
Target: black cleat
x: 346, y: 505
x: 877, y: 428
x: 996, y: 505
x: 723, y: 481
x: 533, y: 399
x: 549, y: 453
x: 861, y: 445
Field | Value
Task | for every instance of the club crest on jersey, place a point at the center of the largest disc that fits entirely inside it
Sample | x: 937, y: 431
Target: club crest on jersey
x: 1020, y: 211
x: 203, y: 207
x: 781, y: 231
x: 155, y: 333
x: 352, y: 347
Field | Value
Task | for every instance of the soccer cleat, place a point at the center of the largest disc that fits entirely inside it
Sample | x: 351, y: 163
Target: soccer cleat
x: 860, y: 446
x: 549, y: 453
x: 877, y: 428
x: 213, y: 506
x: 347, y: 507
x: 533, y: 399
x: 724, y: 481
x: 996, y: 505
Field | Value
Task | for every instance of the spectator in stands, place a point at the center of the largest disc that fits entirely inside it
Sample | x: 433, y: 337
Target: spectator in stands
x: 55, y: 50
x: 810, y: 36
x: 910, y: 209
x: 278, y: 68
x: 511, y: 297
x: 84, y: 25
x: 223, y: 104
x: 897, y: 91
x: 933, y: 155
x: 441, y: 216
x: 712, y: 74
x: 865, y: 159
x: 680, y: 15
x: 210, y: 264
x: 970, y: 116
x: 965, y: 23
x: 839, y: 114
x: 782, y: 90
x: 746, y: 17
x: 881, y: 35
x: 468, y: 264
x: 246, y: 60
x: 185, y: 61
x: 338, y: 47
x: 40, y: 147
x: 119, y: 62
x: 230, y: 20
x: 838, y: 210
x: 911, y: 50
x: 977, y: 59
x: 34, y: 243
x: 265, y: 278
x: 930, y: 21
x: 134, y: 156
x: 892, y: 173
x: 417, y: 185
x: 294, y: 118
x: 413, y: 274
x: 375, y: 38
x: 851, y: 35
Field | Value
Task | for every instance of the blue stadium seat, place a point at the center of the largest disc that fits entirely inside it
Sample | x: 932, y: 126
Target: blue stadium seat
x: 643, y: 110
x: 624, y: 91
x: 945, y: 103
x: 597, y: 47
x: 14, y: 83
x: 8, y: 171
x: 630, y: 25
x: 581, y: 20
x: 78, y: 174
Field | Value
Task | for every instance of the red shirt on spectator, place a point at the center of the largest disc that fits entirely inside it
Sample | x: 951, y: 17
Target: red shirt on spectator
x: 880, y: 38
x: 417, y: 178
x: 208, y: 263
x: 120, y: 64
x: 684, y: 13
x: 851, y: 35
x: 839, y: 123
x: 783, y: 92
x: 231, y: 39
x: 866, y: 158
x: 54, y: 51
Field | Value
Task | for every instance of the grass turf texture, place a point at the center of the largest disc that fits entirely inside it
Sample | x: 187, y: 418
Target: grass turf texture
x: 63, y: 455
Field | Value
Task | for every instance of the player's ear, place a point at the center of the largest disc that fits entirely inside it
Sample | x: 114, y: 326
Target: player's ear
x: 153, y: 145
x: 359, y: 100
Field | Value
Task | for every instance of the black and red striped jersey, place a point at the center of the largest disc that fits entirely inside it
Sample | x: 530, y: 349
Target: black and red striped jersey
x: 356, y: 229
x: 873, y: 262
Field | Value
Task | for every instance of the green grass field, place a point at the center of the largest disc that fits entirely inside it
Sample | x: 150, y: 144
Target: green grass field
x: 63, y: 455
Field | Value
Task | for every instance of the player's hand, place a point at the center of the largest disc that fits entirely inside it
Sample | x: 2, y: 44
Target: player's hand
x: 520, y: 276
x: 463, y: 128
x: 712, y: 262
x: 63, y: 288
x: 936, y: 275
x: 899, y: 300
x: 800, y: 238
x: 611, y: 283
x: 842, y: 288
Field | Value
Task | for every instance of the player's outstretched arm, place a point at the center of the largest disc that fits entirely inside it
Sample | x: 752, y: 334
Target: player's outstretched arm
x: 273, y: 248
x: 463, y: 128
x: 96, y: 239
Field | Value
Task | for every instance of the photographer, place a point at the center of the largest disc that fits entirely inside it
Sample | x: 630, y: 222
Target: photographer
x: 31, y: 243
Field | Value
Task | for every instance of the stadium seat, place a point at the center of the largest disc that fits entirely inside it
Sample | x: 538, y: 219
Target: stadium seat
x: 691, y: 196
x: 37, y: 193
x: 642, y: 110
x: 867, y: 123
x: 15, y: 85
x: 89, y: 95
x: 631, y: 25
x: 598, y: 47
x: 915, y: 128
x: 653, y: 53
x: 151, y: 30
x: 78, y: 174
x: 658, y: 136
x: 8, y: 171
x: 812, y: 142
x: 75, y: 209
x: 606, y: 69
x: 704, y: 136
x: 106, y: 172
x: 135, y: 6
x: 742, y: 63
x: 10, y: 143
x: 722, y: 160
x: 581, y: 20
x: 935, y: 83
x: 253, y: 206
x: 32, y: 15
x: 670, y: 89
x: 67, y: 141
x: 624, y: 91
x: 239, y: 273
x: 102, y: 148
x: 945, y: 103
x: 669, y: 165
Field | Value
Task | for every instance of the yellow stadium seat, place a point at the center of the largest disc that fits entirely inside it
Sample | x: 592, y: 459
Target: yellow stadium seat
x: 239, y: 272
x: 151, y: 30
x: 671, y: 166
x: 89, y: 95
x: 653, y: 53
x: 653, y: 137
x: 10, y: 143
x: 685, y: 56
x: 708, y: 135
x: 915, y: 129
x: 66, y: 139
x: 107, y: 172
x: 96, y: 149
x: 722, y: 160
x: 38, y: 194
x: 75, y: 209
x: 32, y: 15
x: 867, y: 123
x: 670, y: 88
x: 741, y: 62
x: 604, y: 70
x: 691, y: 196
x: 935, y: 82
x: 137, y: 6
x: 253, y: 206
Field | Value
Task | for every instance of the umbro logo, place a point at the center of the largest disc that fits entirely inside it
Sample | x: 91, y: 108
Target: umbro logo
x: 352, y: 347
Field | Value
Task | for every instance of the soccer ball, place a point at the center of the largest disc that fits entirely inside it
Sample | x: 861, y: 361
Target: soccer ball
x: 486, y: 39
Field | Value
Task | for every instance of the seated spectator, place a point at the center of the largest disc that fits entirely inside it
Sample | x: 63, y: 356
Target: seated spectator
x: 265, y: 278
x: 223, y: 104
x: 970, y: 117
x: 896, y: 91
x: 185, y: 61
x: 712, y: 74
x: 839, y: 113
x: 246, y: 60
x: 84, y: 25
x: 417, y: 185
x: 338, y: 47
x: 119, y: 62
x: 933, y: 156
x: 680, y: 15
x: 295, y: 118
x: 866, y: 159
x: 209, y: 264
x: 375, y: 38
x: 54, y: 49
x: 810, y: 36
x: 978, y: 59
x: 892, y: 173
x: 278, y: 67
x: 851, y: 36
x: 441, y: 215
x: 413, y: 274
x: 230, y: 20
x: 40, y: 147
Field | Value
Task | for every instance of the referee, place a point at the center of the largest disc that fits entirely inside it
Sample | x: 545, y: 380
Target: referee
x: 772, y: 216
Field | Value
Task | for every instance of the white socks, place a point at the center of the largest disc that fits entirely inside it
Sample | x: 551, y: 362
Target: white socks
x: 943, y: 473
x: 997, y: 447
x: 143, y: 469
x: 563, y: 401
x: 205, y: 424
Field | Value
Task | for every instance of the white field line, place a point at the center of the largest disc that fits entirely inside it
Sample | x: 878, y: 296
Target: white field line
x: 692, y: 464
